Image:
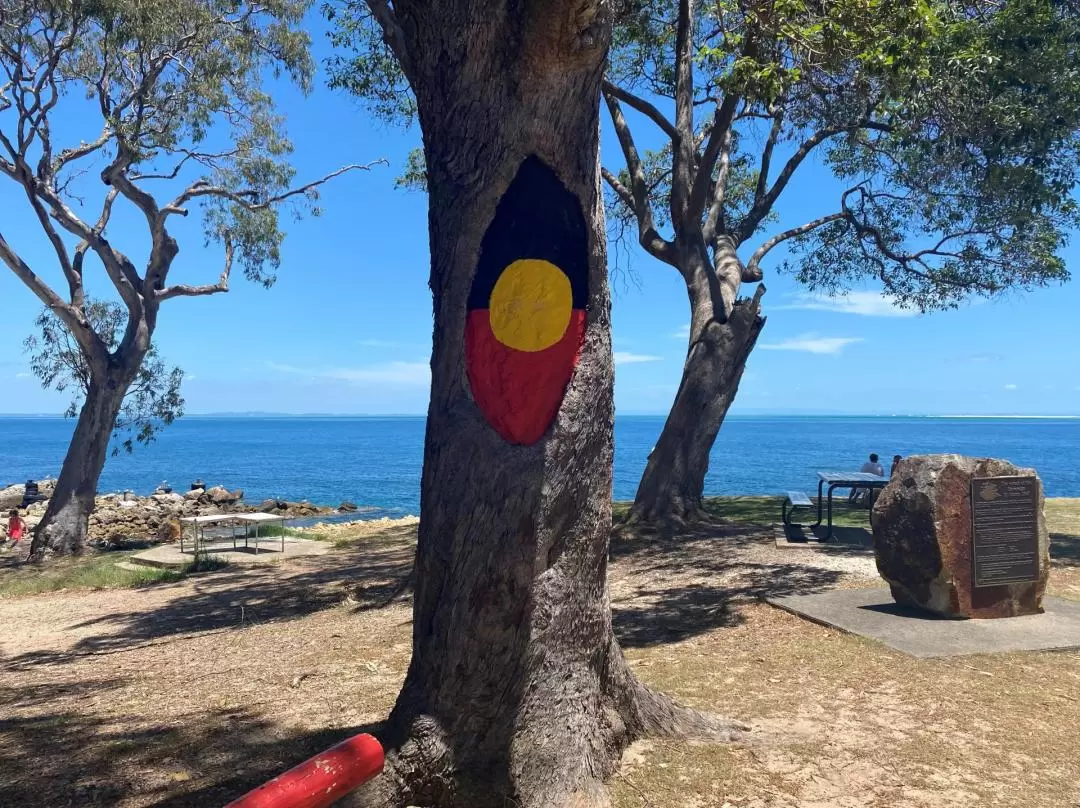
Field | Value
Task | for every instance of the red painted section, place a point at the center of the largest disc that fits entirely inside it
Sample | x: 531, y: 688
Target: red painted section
x: 520, y: 392
x: 321, y: 780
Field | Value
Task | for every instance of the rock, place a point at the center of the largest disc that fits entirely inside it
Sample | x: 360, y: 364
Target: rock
x: 194, y: 494
x: 11, y: 497
x: 169, y: 531
x: 923, y: 539
x: 221, y: 496
x: 347, y: 507
x: 167, y: 499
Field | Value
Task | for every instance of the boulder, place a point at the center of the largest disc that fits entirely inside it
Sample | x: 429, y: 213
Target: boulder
x: 169, y: 531
x: 194, y: 494
x: 347, y: 507
x: 167, y: 499
x: 923, y: 538
x: 11, y: 497
x: 222, y: 496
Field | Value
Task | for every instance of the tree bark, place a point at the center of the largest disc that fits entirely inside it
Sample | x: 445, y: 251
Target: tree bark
x: 517, y: 693
x: 671, y: 489
x: 62, y: 530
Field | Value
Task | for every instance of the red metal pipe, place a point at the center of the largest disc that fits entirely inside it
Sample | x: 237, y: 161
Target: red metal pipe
x: 322, y: 780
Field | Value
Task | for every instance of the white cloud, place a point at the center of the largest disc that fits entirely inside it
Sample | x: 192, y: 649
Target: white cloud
x: 23, y: 375
x: 190, y: 377
x: 812, y: 343
x: 682, y: 333
x: 1010, y: 387
x: 867, y: 304
x: 391, y: 372
x: 406, y: 373
x: 627, y: 358
x: 377, y: 343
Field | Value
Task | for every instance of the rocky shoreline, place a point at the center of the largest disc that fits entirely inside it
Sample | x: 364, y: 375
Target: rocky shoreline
x: 126, y: 518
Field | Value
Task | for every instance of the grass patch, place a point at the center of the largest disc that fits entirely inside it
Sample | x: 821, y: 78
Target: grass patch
x: 277, y: 531
x: 764, y: 510
x: 91, y: 571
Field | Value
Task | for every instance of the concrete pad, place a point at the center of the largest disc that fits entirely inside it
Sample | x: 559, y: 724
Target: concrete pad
x: 804, y: 536
x: 169, y: 555
x: 872, y: 613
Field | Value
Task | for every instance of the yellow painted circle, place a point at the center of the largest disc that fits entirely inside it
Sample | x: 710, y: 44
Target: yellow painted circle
x: 530, y: 305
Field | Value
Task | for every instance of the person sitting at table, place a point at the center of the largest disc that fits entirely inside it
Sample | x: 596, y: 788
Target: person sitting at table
x: 872, y: 466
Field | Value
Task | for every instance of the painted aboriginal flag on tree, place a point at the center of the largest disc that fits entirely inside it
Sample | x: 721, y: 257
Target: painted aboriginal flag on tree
x: 527, y: 305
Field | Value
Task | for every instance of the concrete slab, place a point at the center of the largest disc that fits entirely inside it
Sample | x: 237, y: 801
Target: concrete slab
x: 804, y: 536
x: 169, y: 555
x: 872, y: 613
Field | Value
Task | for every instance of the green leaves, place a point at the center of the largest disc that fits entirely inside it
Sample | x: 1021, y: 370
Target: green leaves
x: 153, y: 400
x: 950, y: 125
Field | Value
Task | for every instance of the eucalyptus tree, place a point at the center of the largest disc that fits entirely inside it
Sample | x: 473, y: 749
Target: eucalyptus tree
x: 152, y: 401
x: 160, y: 105
x: 949, y: 129
x: 517, y: 692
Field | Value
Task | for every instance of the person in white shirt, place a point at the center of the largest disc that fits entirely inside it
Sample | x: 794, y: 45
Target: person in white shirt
x: 872, y: 466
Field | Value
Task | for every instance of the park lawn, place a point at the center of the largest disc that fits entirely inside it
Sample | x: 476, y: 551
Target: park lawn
x: 94, y: 570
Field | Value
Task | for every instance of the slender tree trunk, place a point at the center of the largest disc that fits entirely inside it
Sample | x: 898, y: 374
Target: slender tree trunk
x: 62, y: 529
x: 671, y: 489
x: 517, y: 693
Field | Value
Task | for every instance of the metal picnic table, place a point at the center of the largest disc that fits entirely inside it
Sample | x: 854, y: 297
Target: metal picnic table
x: 199, y: 524
x: 845, y: 479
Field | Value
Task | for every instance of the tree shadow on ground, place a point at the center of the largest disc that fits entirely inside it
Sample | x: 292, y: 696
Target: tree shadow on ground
x: 69, y: 758
x: 688, y: 585
x: 1065, y: 549
x: 235, y: 598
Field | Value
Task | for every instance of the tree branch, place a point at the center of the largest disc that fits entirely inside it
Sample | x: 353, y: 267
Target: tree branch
x: 36, y: 285
x: 683, y: 153
x: 719, y: 140
x: 766, y: 154
x: 393, y: 36
x: 620, y: 190
x: 245, y: 197
x: 753, y: 268
x: 764, y: 203
x: 905, y: 261
x: 182, y: 290
x: 645, y: 108
x: 638, y: 201
x: 71, y: 155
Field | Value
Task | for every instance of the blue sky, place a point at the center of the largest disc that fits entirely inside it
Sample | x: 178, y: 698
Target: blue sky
x: 347, y: 327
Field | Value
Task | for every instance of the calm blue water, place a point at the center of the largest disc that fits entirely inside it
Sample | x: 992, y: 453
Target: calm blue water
x: 376, y: 461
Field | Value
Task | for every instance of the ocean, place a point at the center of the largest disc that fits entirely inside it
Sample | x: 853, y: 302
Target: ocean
x: 376, y: 461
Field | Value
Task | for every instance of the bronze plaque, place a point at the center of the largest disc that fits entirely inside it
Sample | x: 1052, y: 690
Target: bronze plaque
x: 1005, y: 530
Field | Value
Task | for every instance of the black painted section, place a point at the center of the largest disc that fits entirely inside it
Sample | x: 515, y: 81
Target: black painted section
x: 536, y: 218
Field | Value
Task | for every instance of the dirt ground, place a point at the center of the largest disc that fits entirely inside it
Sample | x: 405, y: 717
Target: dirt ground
x: 189, y: 693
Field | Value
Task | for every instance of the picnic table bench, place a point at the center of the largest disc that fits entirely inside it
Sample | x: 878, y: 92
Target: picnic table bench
x: 246, y: 520
x: 834, y: 479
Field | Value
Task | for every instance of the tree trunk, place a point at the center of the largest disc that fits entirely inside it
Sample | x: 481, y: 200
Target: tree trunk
x: 517, y: 693
x: 671, y: 489
x: 62, y: 529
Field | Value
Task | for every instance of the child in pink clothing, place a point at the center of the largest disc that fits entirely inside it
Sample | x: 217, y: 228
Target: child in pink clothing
x: 15, y: 527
